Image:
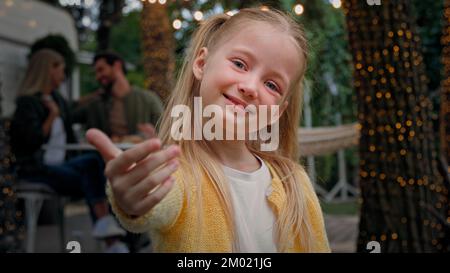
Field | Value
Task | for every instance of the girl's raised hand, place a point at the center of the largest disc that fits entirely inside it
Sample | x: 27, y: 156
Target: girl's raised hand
x: 140, y: 177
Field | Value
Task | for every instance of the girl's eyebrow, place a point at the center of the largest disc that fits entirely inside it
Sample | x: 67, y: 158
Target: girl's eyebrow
x: 253, y: 58
x: 245, y: 52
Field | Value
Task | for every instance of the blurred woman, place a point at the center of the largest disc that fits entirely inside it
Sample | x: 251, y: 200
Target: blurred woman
x: 42, y: 117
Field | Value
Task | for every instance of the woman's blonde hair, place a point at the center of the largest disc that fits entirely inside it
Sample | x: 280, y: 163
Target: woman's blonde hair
x: 197, y: 159
x: 37, y: 76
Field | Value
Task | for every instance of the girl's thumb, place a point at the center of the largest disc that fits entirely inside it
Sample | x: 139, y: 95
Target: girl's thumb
x: 103, y: 144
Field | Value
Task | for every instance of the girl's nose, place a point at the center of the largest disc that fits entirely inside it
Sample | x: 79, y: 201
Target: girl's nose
x: 249, y: 88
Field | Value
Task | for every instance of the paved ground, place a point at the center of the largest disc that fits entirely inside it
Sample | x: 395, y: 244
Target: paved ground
x: 342, y: 232
x: 78, y: 227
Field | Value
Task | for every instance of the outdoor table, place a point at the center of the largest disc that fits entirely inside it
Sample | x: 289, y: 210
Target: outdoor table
x: 85, y: 146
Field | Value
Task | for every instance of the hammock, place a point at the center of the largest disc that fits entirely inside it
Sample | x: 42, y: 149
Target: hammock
x: 326, y: 140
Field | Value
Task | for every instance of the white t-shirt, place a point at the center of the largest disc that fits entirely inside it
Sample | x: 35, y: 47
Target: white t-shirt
x: 55, y: 156
x: 254, y: 218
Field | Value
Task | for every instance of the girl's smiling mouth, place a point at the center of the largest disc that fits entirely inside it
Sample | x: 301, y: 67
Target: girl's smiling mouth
x: 235, y: 101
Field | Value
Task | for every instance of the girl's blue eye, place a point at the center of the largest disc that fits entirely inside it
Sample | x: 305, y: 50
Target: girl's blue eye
x: 239, y: 64
x: 272, y: 86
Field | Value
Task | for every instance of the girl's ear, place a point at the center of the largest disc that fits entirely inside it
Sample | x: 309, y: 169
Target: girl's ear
x: 199, y: 63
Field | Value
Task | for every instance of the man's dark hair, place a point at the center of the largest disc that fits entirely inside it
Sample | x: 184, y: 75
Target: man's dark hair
x: 110, y: 58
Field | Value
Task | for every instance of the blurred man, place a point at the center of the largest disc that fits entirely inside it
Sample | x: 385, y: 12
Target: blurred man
x: 124, y: 112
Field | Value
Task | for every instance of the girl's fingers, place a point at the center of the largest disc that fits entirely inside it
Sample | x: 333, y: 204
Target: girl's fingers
x: 141, y: 189
x: 131, y: 156
x: 152, y: 162
x: 103, y: 144
x: 155, y: 197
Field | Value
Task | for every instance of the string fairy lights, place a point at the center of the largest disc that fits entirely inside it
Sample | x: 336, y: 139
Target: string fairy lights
x: 198, y: 15
x: 12, y: 230
x: 401, y: 187
x: 158, y: 47
x: 445, y: 93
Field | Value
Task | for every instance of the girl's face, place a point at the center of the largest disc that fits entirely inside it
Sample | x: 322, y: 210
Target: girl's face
x: 254, y: 66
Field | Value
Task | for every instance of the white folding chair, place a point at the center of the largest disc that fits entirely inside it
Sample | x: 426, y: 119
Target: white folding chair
x: 34, y: 195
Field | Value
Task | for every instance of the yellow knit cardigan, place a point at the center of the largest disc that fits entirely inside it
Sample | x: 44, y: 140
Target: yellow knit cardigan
x: 173, y: 223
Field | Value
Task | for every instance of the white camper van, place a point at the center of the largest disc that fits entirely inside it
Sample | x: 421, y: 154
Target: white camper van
x: 21, y: 23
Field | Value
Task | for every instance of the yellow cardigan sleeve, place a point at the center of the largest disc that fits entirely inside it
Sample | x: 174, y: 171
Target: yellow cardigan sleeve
x: 160, y: 217
x: 320, y: 243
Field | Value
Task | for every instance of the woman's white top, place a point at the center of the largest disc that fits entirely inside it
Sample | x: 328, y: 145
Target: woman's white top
x: 55, y: 153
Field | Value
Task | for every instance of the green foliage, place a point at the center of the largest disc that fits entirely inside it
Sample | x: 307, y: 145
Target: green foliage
x: 88, y: 83
x: 326, y: 171
x: 340, y: 208
x: 60, y: 45
x: 328, y: 53
x: 136, y: 78
x: 125, y: 40
x: 90, y: 43
x: 428, y: 16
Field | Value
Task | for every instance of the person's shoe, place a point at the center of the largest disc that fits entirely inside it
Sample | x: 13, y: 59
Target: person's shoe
x: 106, y: 227
x: 117, y: 247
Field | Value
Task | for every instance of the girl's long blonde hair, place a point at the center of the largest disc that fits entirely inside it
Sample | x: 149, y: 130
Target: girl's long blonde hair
x: 37, y: 76
x: 293, y: 221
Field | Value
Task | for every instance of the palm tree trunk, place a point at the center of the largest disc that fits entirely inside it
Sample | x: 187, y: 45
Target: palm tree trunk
x: 445, y: 91
x: 404, y: 196
x: 158, y: 48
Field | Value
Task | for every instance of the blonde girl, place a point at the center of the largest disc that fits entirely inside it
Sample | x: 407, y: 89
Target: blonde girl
x: 225, y: 195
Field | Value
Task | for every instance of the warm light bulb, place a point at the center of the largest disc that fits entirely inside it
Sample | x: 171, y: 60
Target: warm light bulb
x: 336, y: 3
x: 198, y: 15
x: 298, y: 9
x: 176, y: 24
